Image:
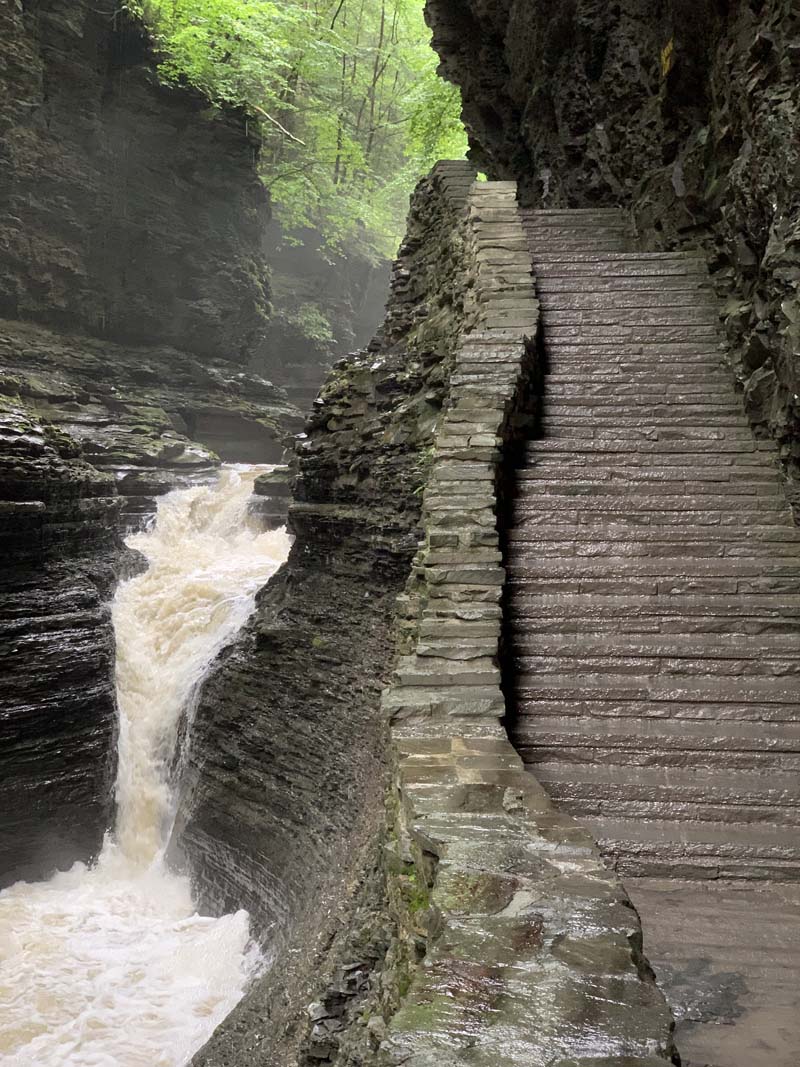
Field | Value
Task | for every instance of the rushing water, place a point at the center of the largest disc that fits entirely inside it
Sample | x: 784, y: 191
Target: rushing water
x: 111, y: 966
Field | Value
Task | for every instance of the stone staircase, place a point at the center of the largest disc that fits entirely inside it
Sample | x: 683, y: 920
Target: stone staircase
x: 654, y: 585
x: 655, y: 572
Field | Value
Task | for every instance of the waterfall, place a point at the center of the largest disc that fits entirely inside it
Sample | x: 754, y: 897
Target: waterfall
x: 110, y: 965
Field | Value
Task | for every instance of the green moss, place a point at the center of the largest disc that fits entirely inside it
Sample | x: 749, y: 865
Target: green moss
x: 415, y: 890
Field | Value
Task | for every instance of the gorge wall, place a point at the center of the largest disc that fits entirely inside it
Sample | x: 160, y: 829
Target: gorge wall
x: 688, y: 114
x: 282, y: 793
x: 418, y: 898
x: 133, y: 293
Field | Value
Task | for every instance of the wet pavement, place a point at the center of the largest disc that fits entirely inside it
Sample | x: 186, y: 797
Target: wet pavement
x: 728, y: 959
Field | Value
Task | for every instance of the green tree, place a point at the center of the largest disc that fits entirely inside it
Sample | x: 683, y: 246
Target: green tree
x: 351, y: 107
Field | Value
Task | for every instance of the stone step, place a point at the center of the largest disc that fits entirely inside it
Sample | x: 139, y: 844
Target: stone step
x: 565, y: 300
x: 612, y: 389
x: 609, y: 478
x: 705, y: 849
x: 676, y: 689
x: 635, y: 607
x: 673, y: 378
x: 771, y: 792
x: 760, y: 621
x: 647, y: 801
x: 627, y: 258
x: 529, y: 706
x: 684, y: 442
x: 603, y: 244
x: 625, y: 532
x: 616, y: 267
x: 733, y: 646
x: 622, y: 585
x: 560, y: 322
x: 710, y: 465
x: 520, y: 567
x: 606, y: 516
x: 632, y: 334
x: 548, y: 284
x: 602, y: 411
x: 637, y: 503
x: 659, y: 667
x: 524, y: 569
x: 574, y: 217
x: 560, y: 551
x: 664, y: 737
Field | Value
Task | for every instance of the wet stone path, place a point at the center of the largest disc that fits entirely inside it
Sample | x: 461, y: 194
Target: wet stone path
x: 654, y: 614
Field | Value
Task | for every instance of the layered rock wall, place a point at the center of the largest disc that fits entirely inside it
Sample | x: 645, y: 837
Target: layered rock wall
x: 282, y: 791
x: 686, y: 113
x: 465, y: 913
x: 58, y: 539
x: 132, y: 294
x: 129, y: 210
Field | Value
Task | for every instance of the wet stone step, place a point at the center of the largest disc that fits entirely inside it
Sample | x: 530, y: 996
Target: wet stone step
x: 550, y: 284
x: 658, y: 667
x: 736, y: 646
x: 657, y: 317
x: 561, y: 300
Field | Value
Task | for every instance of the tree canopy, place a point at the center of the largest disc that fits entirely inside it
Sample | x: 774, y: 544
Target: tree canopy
x: 351, y: 107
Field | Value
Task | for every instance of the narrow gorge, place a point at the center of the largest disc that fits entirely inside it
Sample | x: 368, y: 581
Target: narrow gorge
x: 414, y: 684
x: 104, y: 959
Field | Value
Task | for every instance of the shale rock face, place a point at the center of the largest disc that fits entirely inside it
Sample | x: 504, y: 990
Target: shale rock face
x: 130, y: 210
x: 686, y: 113
x: 132, y: 294
x: 141, y: 413
x: 58, y: 525
x: 282, y: 793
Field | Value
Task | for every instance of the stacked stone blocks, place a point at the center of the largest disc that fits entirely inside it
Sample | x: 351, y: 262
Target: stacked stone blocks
x: 528, y: 949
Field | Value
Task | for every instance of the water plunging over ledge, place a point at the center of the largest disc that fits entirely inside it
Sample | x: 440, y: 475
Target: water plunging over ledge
x: 111, y: 966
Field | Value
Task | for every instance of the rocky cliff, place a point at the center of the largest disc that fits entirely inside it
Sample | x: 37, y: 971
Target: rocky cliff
x: 58, y: 531
x: 282, y: 792
x: 133, y: 293
x: 129, y: 210
x: 686, y: 113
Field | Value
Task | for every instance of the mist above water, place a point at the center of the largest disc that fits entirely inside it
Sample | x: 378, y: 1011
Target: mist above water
x: 111, y: 966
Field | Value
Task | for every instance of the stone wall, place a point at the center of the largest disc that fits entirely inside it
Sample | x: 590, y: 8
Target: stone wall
x: 514, y: 942
x: 686, y: 113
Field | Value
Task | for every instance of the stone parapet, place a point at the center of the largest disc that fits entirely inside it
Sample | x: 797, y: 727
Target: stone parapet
x: 516, y: 945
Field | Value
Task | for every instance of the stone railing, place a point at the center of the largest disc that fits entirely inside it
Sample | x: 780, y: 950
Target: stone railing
x: 516, y: 945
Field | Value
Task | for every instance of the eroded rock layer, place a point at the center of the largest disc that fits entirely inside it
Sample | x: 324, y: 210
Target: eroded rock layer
x: 282, y: 791
x: 58, y: 539
x: 132, y: 294
x: 129, y: 210
x: 686, y: 113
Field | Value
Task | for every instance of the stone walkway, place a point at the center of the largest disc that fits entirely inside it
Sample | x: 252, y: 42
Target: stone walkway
x: 654, y: 606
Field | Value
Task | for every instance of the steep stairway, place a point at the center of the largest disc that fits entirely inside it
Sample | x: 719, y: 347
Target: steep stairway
x: 654, y: 602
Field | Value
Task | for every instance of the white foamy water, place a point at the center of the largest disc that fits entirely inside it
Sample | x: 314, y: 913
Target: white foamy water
x: 112, y: 966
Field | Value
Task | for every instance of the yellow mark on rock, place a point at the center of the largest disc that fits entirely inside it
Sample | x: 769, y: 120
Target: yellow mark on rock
x: 667, y: 57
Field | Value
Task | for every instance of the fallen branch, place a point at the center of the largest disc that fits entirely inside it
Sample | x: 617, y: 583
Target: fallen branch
x: 275, y: 122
